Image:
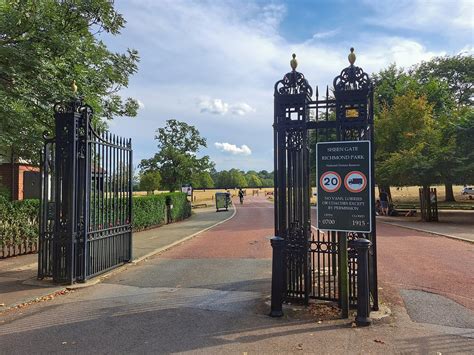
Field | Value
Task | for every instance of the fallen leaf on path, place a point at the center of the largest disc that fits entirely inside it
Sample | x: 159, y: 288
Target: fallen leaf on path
x: 325, y: 311
x: 379, y: 341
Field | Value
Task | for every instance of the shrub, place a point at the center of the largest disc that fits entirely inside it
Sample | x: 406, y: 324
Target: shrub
x: 148, y: 211
x: 19, y: 224
x: 181, y: 206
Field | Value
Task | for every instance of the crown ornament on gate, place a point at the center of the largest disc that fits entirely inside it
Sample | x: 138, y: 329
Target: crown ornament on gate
x: 75, y: 104
x: 352, y: 77
x: 293, y: 82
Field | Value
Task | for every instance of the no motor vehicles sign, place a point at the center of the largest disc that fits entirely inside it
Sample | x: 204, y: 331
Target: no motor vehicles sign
x: 344, y: 186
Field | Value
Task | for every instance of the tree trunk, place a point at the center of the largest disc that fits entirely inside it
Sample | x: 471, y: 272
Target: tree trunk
x: 449, y: 195
x: 386, y: 188
x: 424, y: 201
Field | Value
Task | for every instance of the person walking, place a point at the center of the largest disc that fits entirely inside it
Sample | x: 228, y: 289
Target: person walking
x: 384, y: 202
x: 241, y: 196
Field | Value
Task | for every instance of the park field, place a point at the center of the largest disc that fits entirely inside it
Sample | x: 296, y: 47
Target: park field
x: 400, y: 195
x: 206, y: 196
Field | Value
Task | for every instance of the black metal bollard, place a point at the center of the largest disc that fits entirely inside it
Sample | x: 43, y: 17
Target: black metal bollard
x: 278, y: 245
x: 363, y: 303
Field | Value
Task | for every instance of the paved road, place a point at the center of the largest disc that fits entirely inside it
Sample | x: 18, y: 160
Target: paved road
x: 455, y: 224
x: 18, y: 281
x: 414, y: 260
x: 208, y: 295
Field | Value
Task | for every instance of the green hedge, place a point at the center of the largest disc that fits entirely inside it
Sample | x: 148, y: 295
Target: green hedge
x: 150, y: 211
x: 19, y: 222
x: 181, y: 207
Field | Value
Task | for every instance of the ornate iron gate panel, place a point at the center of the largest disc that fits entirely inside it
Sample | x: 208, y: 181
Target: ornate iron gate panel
x: 86, y: 198
x: 292, y: 220
x: 321, y: 264
x: 108, y: 226
x: 47, y: 209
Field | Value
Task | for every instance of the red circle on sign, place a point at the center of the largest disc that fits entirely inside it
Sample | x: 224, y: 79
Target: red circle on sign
x: 357, y: 179
x: 334, y: 187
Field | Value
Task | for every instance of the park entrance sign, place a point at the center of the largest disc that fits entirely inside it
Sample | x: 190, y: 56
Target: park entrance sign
x: 344, y: 193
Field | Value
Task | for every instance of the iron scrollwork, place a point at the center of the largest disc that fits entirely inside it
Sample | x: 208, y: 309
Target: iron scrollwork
x: 352, y: 78
x: 293, y: 83
x: 74, y: 105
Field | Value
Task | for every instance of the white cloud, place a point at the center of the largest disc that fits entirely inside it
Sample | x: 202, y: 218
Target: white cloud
x: 325, y: 34
x: 428, y: 16
x: 214, y: 106
x: 233, y: 149
x: 241, y: 109
x: 219, y: 107
x: 404, y: 52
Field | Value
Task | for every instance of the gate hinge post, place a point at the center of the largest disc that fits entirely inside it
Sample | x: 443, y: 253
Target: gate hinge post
x: 278, y: 246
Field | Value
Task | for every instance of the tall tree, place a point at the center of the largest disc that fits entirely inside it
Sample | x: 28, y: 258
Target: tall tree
x: 202, y: 180
x: 457, y: 73
x: 45, y: 46
x: 150, y: 181
x: 412, y: 151
x: 177, y: 161
x: 253, y: 180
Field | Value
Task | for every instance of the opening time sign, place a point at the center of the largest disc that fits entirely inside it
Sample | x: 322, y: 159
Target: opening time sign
x: 344, y: 186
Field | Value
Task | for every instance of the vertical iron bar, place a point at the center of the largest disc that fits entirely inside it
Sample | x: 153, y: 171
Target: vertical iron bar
x: 130, y: 165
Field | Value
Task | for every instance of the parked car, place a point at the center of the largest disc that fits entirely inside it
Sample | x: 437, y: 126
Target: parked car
x: 468, y: 191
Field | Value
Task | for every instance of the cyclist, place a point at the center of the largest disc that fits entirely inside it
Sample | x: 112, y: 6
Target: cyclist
x: 241, y: 196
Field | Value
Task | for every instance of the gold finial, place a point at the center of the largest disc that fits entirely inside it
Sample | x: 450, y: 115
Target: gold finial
x: 352, y: 56
x: 74, y: 87
x: 293, y: 62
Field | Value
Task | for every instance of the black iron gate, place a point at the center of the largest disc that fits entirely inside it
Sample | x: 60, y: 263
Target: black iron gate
x: 86, y: 198
x: 319, y: 264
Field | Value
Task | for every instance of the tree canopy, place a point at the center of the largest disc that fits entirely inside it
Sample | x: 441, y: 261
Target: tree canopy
x: 150, y: 181
x: 176, y: 159
x: 44, y: 47
x: 422, y: 116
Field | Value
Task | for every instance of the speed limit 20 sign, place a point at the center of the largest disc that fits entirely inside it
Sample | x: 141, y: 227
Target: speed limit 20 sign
x: 344, y: 186
x: 330, y: 181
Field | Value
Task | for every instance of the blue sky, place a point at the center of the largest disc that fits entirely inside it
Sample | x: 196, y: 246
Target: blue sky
x: 213, y: 64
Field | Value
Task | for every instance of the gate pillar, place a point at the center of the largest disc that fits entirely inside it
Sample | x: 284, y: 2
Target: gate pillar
x: 67, y: 215
x: 292, y: 193
x: 354, y: 96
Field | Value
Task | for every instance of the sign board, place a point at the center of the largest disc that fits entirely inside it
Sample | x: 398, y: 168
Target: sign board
x: 344, y: 186
x: 187, y: 189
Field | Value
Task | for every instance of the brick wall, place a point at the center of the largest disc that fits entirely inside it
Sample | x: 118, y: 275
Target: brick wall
x: 8, y: 175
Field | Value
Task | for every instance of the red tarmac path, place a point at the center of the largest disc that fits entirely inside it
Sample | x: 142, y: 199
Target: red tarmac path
x: 244, y: 236
x: 407, y: 259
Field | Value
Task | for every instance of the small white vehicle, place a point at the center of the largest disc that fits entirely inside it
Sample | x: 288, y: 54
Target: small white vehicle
x: 468, y: 191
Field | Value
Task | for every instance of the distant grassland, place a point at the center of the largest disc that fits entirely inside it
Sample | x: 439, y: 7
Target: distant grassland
x: 410, y: 194
x: 207, y: 195
x: 401, y: 195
